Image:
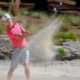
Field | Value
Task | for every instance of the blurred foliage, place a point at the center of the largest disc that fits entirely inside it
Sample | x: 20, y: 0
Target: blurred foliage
x: 64, y: 28
x: 63, y: 36
x: 34, y: 14
x: 66, y: 35
x: 2, y: 28
x: 61, y: 52
x: 72, y: 19
x: 67, y: 30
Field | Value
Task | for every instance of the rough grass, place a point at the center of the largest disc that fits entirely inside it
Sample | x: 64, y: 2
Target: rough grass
x: 69, y: 29
x: 72, y: 19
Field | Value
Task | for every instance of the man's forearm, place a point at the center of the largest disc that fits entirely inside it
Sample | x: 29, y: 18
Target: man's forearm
x: 21, y: 36
x: 24, y: 35
x: 28, y: 33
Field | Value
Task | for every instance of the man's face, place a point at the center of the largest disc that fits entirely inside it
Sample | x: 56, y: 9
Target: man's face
x: 6, y: 23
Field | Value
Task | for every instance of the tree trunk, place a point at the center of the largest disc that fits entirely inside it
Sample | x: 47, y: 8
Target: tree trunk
x: 41, y: 5
x: 15, y: 7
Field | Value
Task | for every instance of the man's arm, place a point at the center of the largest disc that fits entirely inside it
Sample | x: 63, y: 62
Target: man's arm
x: 21, y: 36
x: 25, y: 35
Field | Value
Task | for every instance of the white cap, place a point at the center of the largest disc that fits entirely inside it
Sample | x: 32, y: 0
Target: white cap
x: 5, y: 17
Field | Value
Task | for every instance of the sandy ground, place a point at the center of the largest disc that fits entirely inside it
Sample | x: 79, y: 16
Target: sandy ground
x: 68, y: 70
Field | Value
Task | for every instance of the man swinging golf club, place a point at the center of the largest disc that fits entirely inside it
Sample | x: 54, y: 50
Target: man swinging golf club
x: 20, y: 54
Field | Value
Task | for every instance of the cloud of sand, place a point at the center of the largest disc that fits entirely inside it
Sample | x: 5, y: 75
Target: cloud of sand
x: 41, y: 46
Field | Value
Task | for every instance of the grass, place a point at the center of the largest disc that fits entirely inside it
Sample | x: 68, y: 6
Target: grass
x: 63, y: 36
x: 33, y: 28
x: 66, y: 35
x: 35, y: 14
x: 72, y: 19
x: 68, y: 30
x: 2, y: 28
x: 61, y: 52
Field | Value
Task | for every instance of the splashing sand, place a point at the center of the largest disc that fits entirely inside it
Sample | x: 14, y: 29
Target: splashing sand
x: 41, y: 44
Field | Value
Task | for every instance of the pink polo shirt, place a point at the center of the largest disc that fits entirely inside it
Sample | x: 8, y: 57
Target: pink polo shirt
x: 16, y: 41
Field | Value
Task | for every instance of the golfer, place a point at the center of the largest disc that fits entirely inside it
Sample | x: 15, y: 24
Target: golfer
x: 20, y: 53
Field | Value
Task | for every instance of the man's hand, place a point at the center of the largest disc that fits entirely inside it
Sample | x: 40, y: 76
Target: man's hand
x: 28, y: 33
x: 25, y: 35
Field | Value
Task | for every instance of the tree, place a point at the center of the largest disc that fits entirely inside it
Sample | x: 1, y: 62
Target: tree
x: 41, y: 5
x: 15, y: 7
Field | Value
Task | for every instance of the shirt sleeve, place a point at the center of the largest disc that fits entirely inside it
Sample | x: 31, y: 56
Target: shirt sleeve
x: 22, y: 29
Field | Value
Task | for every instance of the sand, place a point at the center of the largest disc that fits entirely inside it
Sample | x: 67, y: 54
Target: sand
x: 67, y: 70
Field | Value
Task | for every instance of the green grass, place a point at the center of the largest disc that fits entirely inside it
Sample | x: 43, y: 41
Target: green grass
x: 33, y: 28
x: 67, y: 31
x: 2, y: 28
x: 34, y: 14
x: 66, y: 35
x: 61, y: 52
x: 63, y: 36
x: 72, y: 19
